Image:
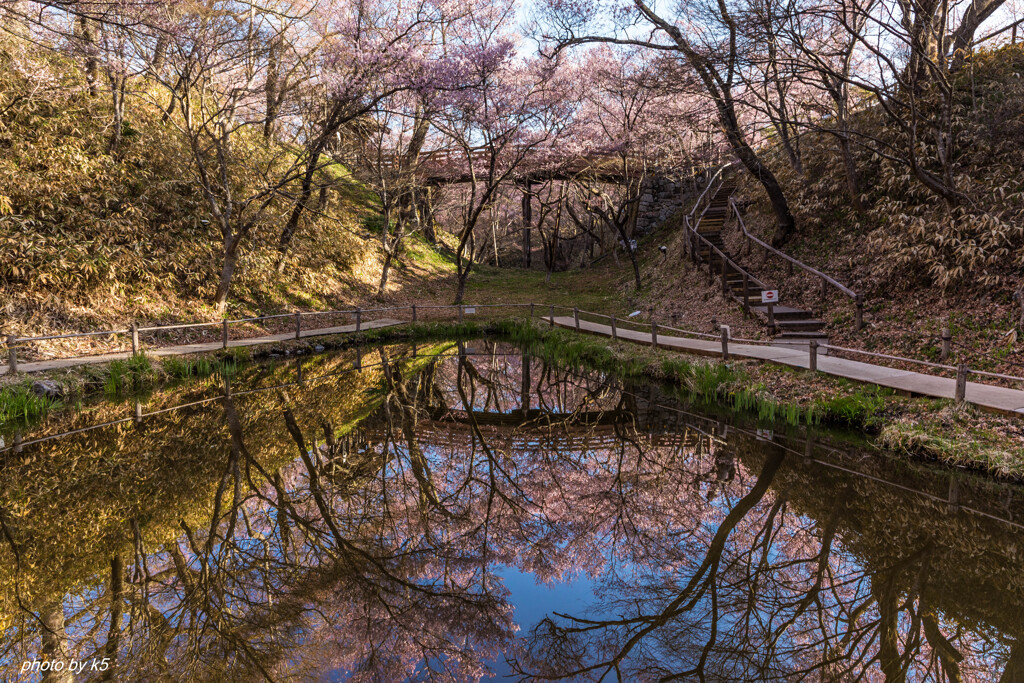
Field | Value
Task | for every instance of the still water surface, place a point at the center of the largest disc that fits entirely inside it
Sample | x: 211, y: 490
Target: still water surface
x: 461, y: 512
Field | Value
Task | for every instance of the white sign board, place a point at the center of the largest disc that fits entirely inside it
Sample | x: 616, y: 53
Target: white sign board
x: 469, y: 309
x: 769, y: 296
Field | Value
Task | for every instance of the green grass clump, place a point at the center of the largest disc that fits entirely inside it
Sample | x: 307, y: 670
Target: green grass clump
x: 20, y: 404
x: 201, y: 367
x: 134, y: 374
x: 862, y: 408
x: 962, y: 446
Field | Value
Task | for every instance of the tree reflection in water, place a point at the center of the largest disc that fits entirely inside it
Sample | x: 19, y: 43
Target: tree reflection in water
x: 356, y: 524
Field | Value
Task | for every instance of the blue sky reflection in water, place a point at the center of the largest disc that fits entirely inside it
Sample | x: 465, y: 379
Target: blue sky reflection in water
x: 428, y: 516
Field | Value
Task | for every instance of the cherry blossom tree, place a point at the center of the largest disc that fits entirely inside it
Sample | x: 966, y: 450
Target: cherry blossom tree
x: 496, y: 112
x: 706, y: 35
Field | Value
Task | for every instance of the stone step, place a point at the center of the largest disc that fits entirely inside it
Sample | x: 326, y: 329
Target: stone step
x: 799, y: 325
x: 784, y: 312
x: 752, y: 294
x: 798, y: 336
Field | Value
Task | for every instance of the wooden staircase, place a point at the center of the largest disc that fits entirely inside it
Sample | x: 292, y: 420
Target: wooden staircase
x: 794, y: 325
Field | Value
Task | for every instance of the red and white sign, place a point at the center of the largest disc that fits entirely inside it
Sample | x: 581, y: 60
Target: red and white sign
x: 769, y: 296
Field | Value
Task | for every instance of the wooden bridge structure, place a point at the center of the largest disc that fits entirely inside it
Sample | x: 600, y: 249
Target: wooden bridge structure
x: 447, y: 167
x: 441, y: 167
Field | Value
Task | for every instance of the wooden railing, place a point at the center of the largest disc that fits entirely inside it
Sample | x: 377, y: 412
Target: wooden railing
x: 533, y: 311
x: 695, y: 240
x: 704, y: 200
x: 1013, y: 28
x: 294, y: 325
x: 826, y: 281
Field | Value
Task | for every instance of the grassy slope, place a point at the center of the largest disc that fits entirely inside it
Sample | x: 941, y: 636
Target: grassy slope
x: 92, y: 239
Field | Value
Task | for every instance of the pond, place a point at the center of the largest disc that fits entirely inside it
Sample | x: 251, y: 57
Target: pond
x: 460, y: 512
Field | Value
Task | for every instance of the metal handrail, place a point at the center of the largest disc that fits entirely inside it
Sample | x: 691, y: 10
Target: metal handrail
x: 803, y: 266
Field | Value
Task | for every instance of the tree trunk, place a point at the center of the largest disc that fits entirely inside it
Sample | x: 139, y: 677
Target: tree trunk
x: 463, y: 274
x: 889, y: 657
x: 785, y: 224
x: 273, y: 76
x: 300, y: 205
x: 116, y: 611
x: 227, y: 271
x: 974, y: 15
x: 388, y: 256
x: 527, y: 226
x: 55, y: 642
x: 159, y: 54
x: 850, y: 170
x: 427, y: 211
x: 1013, y: 672
x: 117, y: 87
x: 92, y: 64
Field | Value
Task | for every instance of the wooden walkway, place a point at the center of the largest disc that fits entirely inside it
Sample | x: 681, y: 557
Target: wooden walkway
x: 995, y: 398
x: 184, y: 349
x: 999, y: 399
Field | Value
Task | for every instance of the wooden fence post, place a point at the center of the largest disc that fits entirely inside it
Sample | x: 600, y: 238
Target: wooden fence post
x: 615, y: 332
x: 551, y: 318
x: 359, y: 319
x: 531, y: 312
x: 961, y: 383
x: 224, y: 334
x: 12, y: 355
x: 576, y: 317
x: 414, y: 312
x: 746, y: 294
x: 947, y: 341
x: 461, y: 307
x: 725, y: 342
x: 771, y: 318
x: 859, y: 314
x: 135, y: 339
x: 812, y: 350
x: 298, y: 324
x: 725, y: 276
x: 654, y: 334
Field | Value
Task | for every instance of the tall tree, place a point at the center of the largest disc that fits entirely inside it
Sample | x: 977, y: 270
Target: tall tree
x: 503, y: 112
x: 707, y: 36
